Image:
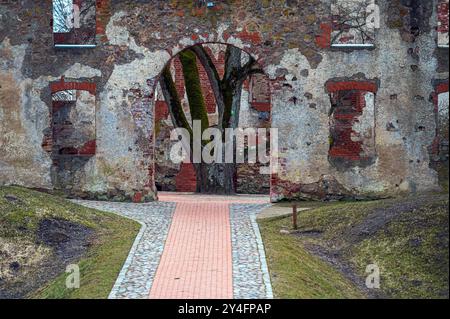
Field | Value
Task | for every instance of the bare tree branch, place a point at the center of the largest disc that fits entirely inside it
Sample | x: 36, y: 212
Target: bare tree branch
x: 62, y: 13
x: 248, y: 69
x: 213, y: 77
x: 350, y: 18
x: 172, y: 99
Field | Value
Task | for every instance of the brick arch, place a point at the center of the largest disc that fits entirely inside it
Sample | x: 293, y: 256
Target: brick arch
x: 186, y: 179
x: 62, y: 85
x: 251, y: 50
x: 368, y: 86
x: 158, y: 108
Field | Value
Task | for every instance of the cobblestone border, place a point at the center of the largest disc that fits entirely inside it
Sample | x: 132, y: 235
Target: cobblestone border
x: 262, y: 257
x: 126, y: 266
x: 251, y: 279
x: 137, y: 274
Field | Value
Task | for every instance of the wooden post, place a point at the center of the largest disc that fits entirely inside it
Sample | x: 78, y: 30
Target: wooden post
x: 294, y: 216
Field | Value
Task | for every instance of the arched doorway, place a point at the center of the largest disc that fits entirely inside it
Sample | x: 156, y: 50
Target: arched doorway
x: 250, y: 109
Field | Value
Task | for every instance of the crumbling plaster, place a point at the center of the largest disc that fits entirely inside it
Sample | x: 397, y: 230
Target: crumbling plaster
x: 390, y: 62
x: 142, y: 38
x: 23, y: 118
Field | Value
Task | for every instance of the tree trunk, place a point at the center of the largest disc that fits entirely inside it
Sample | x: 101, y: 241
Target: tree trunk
x: 216, y: 178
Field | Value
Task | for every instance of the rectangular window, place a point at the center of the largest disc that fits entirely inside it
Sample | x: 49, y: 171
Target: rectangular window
x: 443, y: 115
x: 74, y: 23
x: 443, y: 23
x: 442, y: 121
x: 73, y: 123
x: 353, y: 23
x: 352, y: 124
x: 73, y: 135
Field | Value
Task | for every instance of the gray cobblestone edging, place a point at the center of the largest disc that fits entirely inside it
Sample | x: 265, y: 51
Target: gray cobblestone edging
x: 251, y: 279
x: 126, y: 266
x: 137, y: 274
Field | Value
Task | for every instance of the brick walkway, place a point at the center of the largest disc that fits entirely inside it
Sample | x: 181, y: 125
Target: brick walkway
x: 193, y: 246
x: 196, y: 262
x: 197, y: 258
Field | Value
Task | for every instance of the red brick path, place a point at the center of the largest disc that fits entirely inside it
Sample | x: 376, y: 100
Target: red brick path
x: 196, y: 262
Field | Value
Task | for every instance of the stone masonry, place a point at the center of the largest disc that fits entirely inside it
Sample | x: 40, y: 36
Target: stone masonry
x: 360, y: 112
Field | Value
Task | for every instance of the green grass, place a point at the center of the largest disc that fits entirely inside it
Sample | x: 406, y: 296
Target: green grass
x: 411, y: 251
x: 99, y: 268
x: 442, y: 170
x: 412, y: 254
x: 297, y: 274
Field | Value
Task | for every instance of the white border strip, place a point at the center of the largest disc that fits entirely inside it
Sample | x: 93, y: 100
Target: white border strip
x: 262, y: 257
x: 353, y: 45
x: 127, y: 264
x: 69, y: 46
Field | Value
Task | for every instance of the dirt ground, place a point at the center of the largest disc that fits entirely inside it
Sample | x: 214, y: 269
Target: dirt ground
x: 26, y: 266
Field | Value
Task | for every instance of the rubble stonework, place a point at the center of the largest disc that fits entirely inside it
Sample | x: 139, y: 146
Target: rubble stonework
x: 291, y: 40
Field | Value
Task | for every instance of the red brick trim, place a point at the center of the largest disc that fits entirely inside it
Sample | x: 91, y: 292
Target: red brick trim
x: 441, y: 88
x: 186, y: 180
x: 47, y: 142
x: 103, y: 12
x: 161, y: 110
x: 253, y: 37
x: 261, y: 106
x: 88, y: 148
x: 324, y: 39
x: 442, y: 16
x: 351, y: 85
x: 137, y: 197
x: 81, y: 86
x: 344, y: 147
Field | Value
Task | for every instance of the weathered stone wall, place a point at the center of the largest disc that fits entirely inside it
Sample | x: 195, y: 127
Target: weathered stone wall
x: 291, y: 40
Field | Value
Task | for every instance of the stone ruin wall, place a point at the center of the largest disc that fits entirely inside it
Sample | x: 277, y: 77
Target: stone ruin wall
x: 396, y: 129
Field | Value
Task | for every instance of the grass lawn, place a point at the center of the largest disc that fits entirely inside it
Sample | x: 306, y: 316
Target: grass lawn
x: 99, y: 241
x: 327, y: 257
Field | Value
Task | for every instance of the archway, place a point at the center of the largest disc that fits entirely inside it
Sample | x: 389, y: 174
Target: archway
x: 251, y: 109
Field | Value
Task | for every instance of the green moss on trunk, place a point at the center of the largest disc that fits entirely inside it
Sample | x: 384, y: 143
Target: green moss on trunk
x: 194, y: 88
